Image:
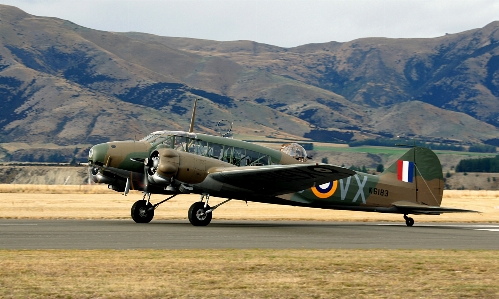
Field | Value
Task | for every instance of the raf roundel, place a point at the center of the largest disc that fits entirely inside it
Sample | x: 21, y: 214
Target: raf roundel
x: 325, y: 190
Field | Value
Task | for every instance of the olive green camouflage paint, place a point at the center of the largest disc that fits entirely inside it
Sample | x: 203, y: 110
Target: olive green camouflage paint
x: 383, y: 190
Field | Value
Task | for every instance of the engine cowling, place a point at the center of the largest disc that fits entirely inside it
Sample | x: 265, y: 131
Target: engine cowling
x: 99, y: 178
x: 165, y: 164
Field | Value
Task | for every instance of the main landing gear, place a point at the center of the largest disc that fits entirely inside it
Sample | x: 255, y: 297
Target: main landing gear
x: 408, y: 220
x: 200, y: 213
x: 143, y: 211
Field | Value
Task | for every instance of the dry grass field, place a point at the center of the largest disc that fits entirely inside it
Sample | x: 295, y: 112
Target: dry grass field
x: 248, y: 274
x: 98, y: 202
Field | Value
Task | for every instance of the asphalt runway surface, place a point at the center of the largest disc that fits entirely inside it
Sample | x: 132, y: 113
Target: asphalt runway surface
x: 180, y: 234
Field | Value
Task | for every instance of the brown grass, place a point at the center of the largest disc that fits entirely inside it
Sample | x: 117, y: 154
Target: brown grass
x: 55, y: 189
x: 248, y: 274
x: 98, y: 202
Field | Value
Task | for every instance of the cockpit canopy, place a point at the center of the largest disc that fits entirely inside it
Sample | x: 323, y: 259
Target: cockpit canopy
x: 194, y: 143
x: 295, y: 150
x: 159, y: 136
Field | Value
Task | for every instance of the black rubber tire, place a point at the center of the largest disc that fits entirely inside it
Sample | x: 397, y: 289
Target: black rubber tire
x: 409, y: 221
x: 197, y: 215
x: 141, y: 213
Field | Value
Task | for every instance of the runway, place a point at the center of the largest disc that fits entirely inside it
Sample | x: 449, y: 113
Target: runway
x: 180, y: 234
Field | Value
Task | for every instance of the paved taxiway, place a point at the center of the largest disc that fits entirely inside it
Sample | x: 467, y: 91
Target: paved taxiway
x: 180, y: 234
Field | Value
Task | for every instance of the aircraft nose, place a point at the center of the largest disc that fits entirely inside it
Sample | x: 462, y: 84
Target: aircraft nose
x: 97, y: 153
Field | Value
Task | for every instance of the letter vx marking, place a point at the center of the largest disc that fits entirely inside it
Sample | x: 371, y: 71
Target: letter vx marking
x: 344, y: 189
x: 344, y: 186
x: 360, y: 192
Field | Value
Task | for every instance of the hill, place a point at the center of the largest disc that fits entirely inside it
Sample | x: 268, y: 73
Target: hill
x: 71, y: 87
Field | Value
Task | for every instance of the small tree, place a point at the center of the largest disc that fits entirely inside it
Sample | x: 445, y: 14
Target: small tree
x: 325, y: 160
x: 380, y: 168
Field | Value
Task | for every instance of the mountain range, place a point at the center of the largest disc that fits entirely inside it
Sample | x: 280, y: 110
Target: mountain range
x: 65, y: 84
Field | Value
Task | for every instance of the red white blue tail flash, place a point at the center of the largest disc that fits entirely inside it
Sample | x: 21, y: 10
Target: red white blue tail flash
x: 405, y: 171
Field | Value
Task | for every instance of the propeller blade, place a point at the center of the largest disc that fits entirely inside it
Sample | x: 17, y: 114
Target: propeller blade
x: 139, y: 160
x: 146, y: 171
x: 89, y: 178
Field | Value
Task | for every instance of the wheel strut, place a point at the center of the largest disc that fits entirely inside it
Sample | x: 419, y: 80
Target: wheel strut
x: 153, y: 207
x: 214, y: 207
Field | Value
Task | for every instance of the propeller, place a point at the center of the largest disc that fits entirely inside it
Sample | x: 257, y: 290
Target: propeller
x: 153, y: 164
x: 92, y: 174
x: 89, y: 176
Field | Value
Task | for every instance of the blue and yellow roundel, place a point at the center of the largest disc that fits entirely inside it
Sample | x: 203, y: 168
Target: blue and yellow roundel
x: 325, y: 190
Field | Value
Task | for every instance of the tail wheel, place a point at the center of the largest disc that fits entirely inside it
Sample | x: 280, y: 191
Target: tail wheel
x: 408, y: 221
x: 142, y: 211
x: 197, y: 214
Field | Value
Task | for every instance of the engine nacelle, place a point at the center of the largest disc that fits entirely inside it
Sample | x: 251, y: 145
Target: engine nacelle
x: 161, y: 166
x: 165, y: 164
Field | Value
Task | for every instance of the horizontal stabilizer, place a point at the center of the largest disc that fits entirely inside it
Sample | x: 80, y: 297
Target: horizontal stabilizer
x: 416, y: 209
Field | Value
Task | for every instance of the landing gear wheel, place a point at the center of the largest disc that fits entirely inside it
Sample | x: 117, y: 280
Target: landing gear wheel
x: 197, y: 214
x: 141, y: 212
x: 408, y: 221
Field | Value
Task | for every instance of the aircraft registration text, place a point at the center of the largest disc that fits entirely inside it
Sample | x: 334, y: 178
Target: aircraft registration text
x: 378, y: 191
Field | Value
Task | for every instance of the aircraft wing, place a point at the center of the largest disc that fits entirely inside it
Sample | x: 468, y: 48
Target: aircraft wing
x: 413, y: 208
x: 275, y: 180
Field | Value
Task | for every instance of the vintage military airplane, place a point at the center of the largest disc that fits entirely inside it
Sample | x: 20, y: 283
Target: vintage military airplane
x: 177, y: 162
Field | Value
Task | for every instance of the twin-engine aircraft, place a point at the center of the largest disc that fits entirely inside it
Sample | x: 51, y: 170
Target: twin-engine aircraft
x: 177, y: 162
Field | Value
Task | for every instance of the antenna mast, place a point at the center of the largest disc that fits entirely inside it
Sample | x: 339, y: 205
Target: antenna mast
x: 191, y: 127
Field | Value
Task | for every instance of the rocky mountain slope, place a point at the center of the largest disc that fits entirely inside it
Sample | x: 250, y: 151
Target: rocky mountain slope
x: 65, y: 84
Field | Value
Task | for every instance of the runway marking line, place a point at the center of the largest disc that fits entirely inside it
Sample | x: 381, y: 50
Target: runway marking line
x: 18, y: 224
x: 480, y: 227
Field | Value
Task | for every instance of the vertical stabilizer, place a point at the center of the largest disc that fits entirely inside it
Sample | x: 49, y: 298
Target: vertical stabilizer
x: 420, y: 169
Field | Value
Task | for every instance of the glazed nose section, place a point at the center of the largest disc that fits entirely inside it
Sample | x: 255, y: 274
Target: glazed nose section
x: 97, y: 153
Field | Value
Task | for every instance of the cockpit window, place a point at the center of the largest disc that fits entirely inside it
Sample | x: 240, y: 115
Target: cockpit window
x: 170, y: 138
x: 166, y: 140
x: 151, y: 137
x: 180, y: 143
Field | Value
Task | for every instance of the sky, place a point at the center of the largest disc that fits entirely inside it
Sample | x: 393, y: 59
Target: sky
x: 284, y: 23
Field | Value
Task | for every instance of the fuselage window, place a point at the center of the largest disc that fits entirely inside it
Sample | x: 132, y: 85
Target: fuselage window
x: 226, y: 154
x: 215, y: 151
x: 197, y: 147
x: 257, y: 159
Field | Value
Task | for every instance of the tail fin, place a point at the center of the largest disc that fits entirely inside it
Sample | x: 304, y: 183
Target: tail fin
x: 421, y: 167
